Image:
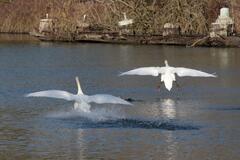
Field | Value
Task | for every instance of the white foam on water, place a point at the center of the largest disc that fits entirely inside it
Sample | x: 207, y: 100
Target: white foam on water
x: 98, y: 113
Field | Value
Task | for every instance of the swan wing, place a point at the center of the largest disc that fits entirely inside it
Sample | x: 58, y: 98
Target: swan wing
x: 53, y: 94
x: 181, y: 72
x: 105, y: 98
x: 143, y: 71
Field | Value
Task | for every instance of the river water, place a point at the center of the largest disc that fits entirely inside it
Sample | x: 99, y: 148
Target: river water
x: 198, y: 120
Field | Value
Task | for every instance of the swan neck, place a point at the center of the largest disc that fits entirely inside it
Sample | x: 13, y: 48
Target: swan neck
x: 125, y: 16
x: 166, y: 63
x: 80, y: 92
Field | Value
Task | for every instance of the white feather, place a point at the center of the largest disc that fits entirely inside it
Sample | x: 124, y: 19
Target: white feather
x: 143, y: 71
x: 167, y: 73
x: 79, y: 98
x: 181, y: 72
x: 53, y: 94
x: 98, y: 98
x: 105, y: 98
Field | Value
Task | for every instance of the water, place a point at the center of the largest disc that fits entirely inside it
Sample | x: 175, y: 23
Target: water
x: 199, y: 120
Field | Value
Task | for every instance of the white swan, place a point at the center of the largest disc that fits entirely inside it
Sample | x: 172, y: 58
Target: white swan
x: 167, y: 73
x: 81, y: 100
x: 125, y: 21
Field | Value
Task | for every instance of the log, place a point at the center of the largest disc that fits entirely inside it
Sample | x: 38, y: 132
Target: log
x: 200, y: 41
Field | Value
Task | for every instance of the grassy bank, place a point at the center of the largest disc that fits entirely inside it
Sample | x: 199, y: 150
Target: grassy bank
x: 193, y: 16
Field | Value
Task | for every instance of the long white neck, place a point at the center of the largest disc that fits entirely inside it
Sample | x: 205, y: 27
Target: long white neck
x: 166, y: 63
x: 125, y: 16
x: 84, y: 17
x: 80, y: 92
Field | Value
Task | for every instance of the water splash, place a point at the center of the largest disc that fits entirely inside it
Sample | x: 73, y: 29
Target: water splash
x: 116, y: 117
x: 94, y: 114
x: 82, y: 107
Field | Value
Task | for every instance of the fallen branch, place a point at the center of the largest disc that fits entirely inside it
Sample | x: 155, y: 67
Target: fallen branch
x: 200, y: 41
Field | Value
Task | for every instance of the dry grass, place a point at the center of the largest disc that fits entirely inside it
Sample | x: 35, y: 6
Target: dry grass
x: 149, y: 16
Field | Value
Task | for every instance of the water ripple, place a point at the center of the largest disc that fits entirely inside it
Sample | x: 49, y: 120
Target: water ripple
x: 133, y: 123
x: 85, y: 121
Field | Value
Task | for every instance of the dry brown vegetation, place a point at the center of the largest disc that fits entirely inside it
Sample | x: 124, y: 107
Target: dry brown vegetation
x: 193, y: 16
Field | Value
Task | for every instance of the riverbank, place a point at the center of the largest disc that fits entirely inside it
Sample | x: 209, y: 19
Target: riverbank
x: 149, y: 16
x: 115, y: 37
x: 99, y: 21
x: 187, y: 41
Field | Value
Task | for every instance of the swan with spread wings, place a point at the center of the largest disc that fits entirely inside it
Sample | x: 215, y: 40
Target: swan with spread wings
x: 167, y: 73
x: 81, y: 100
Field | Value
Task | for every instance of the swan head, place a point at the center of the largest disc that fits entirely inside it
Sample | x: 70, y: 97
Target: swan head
x: 166, y: 63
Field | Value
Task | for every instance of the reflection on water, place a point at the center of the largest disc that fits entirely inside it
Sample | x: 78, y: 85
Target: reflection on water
x: 198, y: 121
x: 17, y: 38
x: 79, y: 139
x: 171, y: 146
x: 222, y: 55
x: 168, y: 108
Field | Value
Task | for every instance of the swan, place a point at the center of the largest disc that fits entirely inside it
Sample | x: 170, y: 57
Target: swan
x: 167, y: 73
x: 125, y: 21
x: 81, y: 100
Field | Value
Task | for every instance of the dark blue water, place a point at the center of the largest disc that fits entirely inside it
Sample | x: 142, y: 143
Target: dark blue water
x: 199, y: 120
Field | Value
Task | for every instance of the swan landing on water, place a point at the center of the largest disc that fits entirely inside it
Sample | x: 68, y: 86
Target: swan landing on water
x: 167, y: 73
x: 81, y: 100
